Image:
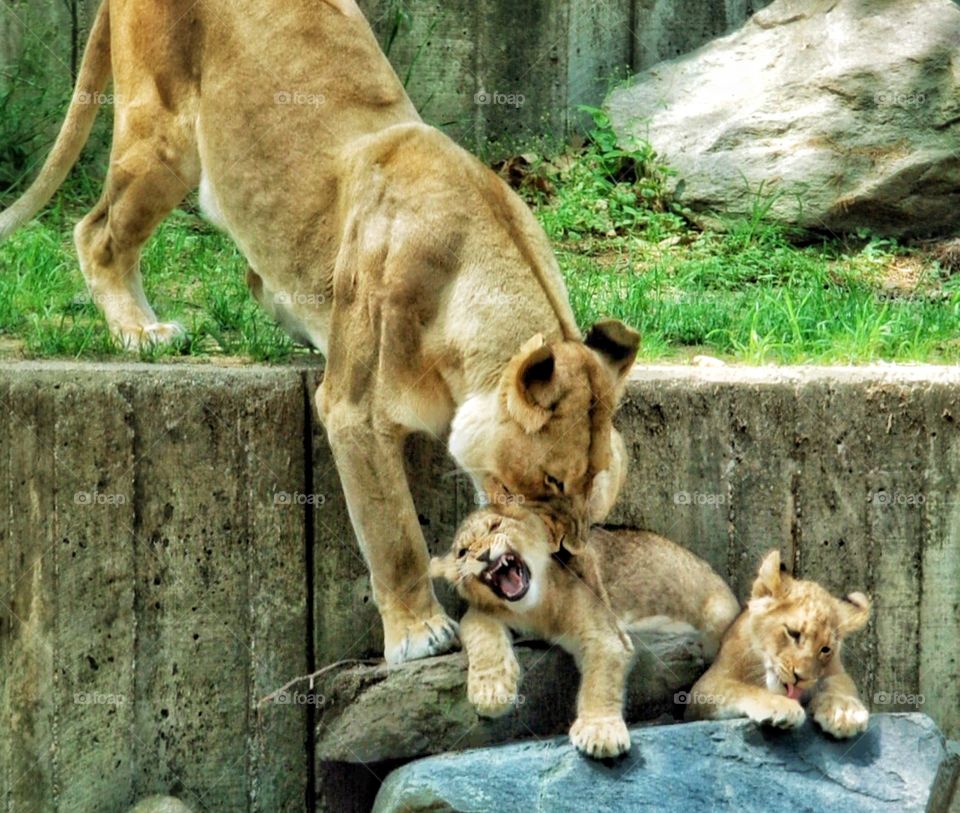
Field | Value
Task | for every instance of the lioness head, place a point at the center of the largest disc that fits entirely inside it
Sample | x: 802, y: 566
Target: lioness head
x: 798, y: 626
x: 547, y: 430
x: 500, y: 556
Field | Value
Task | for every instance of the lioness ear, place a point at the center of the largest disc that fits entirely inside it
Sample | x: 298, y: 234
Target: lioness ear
x: 529, y: 380
x: 771, y: 578
x: 854, y: 612
x: 565, y: 532
x: 616, y: 344
x: 440, y: 567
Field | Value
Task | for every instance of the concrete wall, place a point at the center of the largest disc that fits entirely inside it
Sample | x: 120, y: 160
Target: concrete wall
x: 495, y: 75
x: 157, y: 575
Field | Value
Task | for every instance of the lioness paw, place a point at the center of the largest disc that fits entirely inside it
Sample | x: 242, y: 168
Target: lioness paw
x: 492, y: 694
x: 778, y: 711
x: 153, y: 335
x: 600, y: 737
x: 841, y: 716
x: 421, y: 639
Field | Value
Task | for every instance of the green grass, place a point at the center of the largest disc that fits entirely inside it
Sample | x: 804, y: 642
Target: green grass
x: 752, y: 293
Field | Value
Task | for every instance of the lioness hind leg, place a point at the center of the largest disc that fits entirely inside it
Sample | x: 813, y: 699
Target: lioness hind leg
x: 152, y: 168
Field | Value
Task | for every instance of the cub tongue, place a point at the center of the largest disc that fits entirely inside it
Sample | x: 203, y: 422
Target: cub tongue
x: 510, y: 581
x: 793, y: 691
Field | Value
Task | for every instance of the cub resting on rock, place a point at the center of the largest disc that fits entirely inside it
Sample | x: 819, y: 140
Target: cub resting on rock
x: 782, y: 651
x: 521, y: 568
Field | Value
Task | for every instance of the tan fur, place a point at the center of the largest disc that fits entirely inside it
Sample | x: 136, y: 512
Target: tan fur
x: 422, y: 277
x: 619, y: 581
x: 759, y: 658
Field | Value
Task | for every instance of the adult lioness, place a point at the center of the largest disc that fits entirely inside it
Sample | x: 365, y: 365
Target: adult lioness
x: 413, y: 268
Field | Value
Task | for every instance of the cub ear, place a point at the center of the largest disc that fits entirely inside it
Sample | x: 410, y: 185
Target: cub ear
x: 529, y: 381
x: 854, y: 612
x: 772, y: 578
x: 616, y: 344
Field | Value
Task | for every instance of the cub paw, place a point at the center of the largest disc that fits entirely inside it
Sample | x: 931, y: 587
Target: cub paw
x: 421, y: 639
x: 492, y: 694
x: 779, y: 712
x: 600, y: 737
x: 841, y: 716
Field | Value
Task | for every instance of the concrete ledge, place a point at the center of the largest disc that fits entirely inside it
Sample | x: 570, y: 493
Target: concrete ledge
x: 157, y: 524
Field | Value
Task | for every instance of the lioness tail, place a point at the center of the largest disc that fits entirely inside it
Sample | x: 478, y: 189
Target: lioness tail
x: 94, y: 72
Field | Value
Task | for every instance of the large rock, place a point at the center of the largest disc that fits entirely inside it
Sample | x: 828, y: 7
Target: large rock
x: 731, y: 765
x: 375, y: 713
x: 841, y: 113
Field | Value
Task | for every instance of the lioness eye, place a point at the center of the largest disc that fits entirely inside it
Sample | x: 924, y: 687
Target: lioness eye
x: 824, y: 650
x: 553, y: 482
x: 461, y: 553
x: 795, y: 634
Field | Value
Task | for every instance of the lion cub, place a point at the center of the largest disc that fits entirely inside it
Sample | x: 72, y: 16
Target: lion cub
x: 784, y: 651
x: 515, y: 569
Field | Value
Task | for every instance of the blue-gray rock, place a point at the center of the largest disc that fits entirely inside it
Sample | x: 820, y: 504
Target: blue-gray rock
x: 715, y: 766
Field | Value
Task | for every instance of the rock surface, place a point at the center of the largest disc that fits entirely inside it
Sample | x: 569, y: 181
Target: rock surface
x: 160, y: 804
x: 376, y: 713
x: 730, y: 765
x: 842, y: 114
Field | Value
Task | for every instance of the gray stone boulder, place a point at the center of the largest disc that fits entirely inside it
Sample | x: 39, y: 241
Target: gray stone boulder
x: 838, y: 114
x: 160, y: 804
x: 729, y: 766
x: 370, y: 714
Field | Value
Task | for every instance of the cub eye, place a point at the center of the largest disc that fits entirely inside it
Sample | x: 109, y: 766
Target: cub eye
x: 495, y: 524
x: 553, y: 483
x: 461, y: 553
x: 824, y: 650
x: 795, y: 634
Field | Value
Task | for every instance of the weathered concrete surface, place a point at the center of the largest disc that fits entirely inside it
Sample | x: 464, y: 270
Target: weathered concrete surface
x: 728, y: 766
x: 376, y: 713
x: 150, y: 589
x: 800, y: 110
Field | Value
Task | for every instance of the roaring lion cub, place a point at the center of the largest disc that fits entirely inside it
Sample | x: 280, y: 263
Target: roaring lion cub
x: 521, y: 569
x: 421, y: 276
x: 783, y: 651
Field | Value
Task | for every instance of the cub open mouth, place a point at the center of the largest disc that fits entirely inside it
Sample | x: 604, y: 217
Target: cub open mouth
x: 508, y: 577
x: 794, y: 692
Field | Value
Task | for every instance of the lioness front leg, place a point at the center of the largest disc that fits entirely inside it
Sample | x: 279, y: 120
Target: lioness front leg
x: 836, y: 706
x: 369, y: 455
x: 600, y: 730
x: 493, y: 673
